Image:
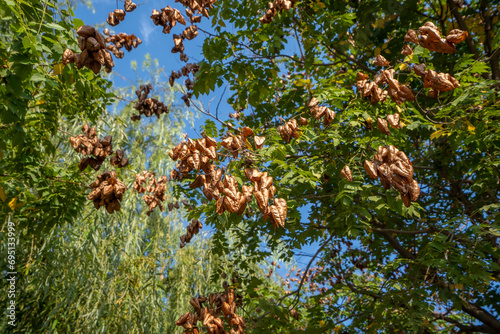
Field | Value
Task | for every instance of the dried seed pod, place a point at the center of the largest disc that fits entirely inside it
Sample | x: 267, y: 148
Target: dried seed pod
x: 92, y: 44
x: 419, y: 69
x: 120, y: 14
x: 85, y: 31
x: 434, y: 93
x: 371, y: 169
x: 313, y: 102
x: 259, y: 142
x: 346, y: 173
x: 289, y: 130
x: 129, y: 6
x: 393, y: 120
x: 226, y: 308
x: 183, y: 319
x: 85, y: 57
x: 328, y: 116
x: 112, y: 19
x: 107, y: 191
x: 179, y: 47
x: 382, y: 126
x: 78, y: 62
x: 407, y: 51
x: 431, y: 39
x: 100, y: 39
x: 99, y: 57
x: 413, y: 190
x: 247, y: 132
x: 411, y: 36
x: 68, y: 57
x: 253, y: 174
x: 94, y: 67
x: 303, y: 121
x: 82, y: 165
x: 380, y: 61
x: 361, y: 76
x: 190, y: 32
x: 456, y: 36
x: 108, y: 60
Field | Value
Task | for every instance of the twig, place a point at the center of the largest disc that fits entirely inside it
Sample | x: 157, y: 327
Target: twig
x: 305, y: 272
x: 402, y: 231
x: 69, y: 134
x: 71, y: 182
x: 122, y: 98
x: 218, y: 104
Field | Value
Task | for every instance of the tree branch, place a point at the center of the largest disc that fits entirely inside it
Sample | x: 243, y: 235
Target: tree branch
x: 463, y: 328
x: 401, y: 231
x: 397, y: 246
x: 463, y: 26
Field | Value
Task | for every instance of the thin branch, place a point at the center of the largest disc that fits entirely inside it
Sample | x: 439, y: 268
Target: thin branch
x: 69, y: 134
x: 307, y: 269
x: 462, y: 327
x: 402, y: 231
x: 122, y: 98
x: 395, y: 243
x: 218, y: 104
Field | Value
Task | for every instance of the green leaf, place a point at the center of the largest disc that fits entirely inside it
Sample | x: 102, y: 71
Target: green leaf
x: 77, y: 23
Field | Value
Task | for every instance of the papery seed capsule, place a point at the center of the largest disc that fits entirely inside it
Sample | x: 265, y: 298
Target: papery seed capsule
x: 382, y: 126
x: 393, y: 120
x: 370, y: 169
x: 414, y: 190
x: 346, y: 173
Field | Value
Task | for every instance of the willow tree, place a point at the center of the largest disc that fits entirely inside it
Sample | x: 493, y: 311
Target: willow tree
x: 78, y: 269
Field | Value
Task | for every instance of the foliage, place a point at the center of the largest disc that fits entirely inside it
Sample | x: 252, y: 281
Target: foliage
x: 377, y: 265
x: 36, y: 93
x: 383, y: 266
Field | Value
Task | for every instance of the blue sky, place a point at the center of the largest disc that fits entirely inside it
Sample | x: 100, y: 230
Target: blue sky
x: 155, y: 42
x: 159, y: 46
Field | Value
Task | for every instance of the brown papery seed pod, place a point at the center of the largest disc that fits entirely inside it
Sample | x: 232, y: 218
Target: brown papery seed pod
x: 414, y: 190
x: 313, y: 102
x: 120, y: 14
x: 382, y: 126
x: 259, y: 141
x: 68, y: 57
x: 226, y: 308
x: 85, y: 31
x: 112, y: 20
x: 393, y: 120
x: 190, y: 32
x: 346, y: 173
x: 183, y: 319
x: 129, y: 6
x: 246, y: 132
x: 361, y: 76
x: 381, y: 61
x: 411, y: 36
x: 370, y: 169
x: 407, y: 51
x: 457, y: 36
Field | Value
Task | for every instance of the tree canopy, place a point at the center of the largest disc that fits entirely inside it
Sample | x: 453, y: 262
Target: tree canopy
x: 367, y: 130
